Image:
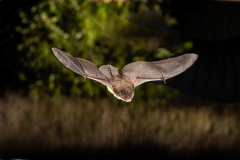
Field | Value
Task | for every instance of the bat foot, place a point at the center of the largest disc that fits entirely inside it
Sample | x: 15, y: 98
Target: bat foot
x: 164, y: 81
x: 85, y: 76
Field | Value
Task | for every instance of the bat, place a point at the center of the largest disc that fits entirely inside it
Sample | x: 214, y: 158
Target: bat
x: 122, y: 83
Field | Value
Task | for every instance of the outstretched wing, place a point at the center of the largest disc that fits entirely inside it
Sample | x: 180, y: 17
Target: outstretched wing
x: 80, y: 66
x: 141, y: 72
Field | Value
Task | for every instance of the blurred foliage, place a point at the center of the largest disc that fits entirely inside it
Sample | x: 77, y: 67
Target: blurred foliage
x: 97, y: 32
x: 77, y: 124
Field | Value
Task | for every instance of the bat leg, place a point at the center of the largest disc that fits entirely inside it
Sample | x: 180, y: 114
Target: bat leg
x: 164, y: 80
x: 85, y: 76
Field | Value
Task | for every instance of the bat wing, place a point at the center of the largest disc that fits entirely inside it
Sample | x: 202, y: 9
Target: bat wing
x: 80, y: 66
x: 141, y: 72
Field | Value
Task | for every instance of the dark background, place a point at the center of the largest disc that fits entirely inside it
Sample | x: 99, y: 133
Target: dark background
x: 212, y: 21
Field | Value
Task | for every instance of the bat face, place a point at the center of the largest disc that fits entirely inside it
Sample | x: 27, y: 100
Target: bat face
x: 122, y: 83
x: 122, y: 88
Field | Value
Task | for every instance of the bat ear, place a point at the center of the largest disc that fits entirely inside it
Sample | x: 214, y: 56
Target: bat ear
x: 109, y: 71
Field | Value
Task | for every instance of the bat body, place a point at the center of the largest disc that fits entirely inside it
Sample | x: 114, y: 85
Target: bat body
x: 122, y: 83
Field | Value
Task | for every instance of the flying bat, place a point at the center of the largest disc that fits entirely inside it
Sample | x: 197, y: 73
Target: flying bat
x: 122, y: 83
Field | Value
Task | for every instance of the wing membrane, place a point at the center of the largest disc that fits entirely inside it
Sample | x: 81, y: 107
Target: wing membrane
x: 140, y: 72
x: 80, y: 66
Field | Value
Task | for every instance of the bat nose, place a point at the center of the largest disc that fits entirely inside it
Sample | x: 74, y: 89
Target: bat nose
x: 128, y: 98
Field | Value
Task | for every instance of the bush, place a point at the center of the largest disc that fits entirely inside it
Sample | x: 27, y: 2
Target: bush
x: 96, y: 32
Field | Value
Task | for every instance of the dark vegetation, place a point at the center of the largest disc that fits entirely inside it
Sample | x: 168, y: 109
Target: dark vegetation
x: 48, y: 111
x: 77, y: 127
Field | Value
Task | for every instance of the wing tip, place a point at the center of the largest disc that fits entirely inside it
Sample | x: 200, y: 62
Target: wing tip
x: 190, y: 59
x: 57, y: 52
x: 54, y: 50
x: 192, y: 56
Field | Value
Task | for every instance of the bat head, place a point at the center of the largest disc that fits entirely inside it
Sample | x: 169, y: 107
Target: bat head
x: 124, y: 94
x: 122, y: 89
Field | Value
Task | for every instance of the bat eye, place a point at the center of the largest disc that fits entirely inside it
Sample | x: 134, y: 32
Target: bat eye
x: 123, y: 92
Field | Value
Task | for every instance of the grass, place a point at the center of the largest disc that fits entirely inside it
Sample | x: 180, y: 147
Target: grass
x: 97, y: 126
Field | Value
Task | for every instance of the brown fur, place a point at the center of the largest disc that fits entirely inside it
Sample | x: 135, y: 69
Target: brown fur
x: 119, y: 83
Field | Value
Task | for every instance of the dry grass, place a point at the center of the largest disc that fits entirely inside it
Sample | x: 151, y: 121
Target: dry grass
x: 80, y: 124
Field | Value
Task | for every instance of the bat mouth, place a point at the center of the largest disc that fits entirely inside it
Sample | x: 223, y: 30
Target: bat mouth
x: 128, y: 100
